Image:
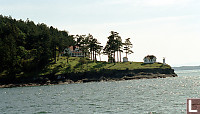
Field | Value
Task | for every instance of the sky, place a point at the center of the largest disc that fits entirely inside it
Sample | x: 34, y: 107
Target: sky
x: 164, y: 28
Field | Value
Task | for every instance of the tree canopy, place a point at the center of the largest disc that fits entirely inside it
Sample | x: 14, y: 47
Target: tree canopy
x: 114, y: 44
x: 127, y: 46
x: 26, y: 46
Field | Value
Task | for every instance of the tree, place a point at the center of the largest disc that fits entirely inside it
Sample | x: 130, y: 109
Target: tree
x: 109, y: 48
x: 99, y: 51
x: 82, y: 42
x: 8, y: 47
x: 25, y: 45
x: 119, y: 47
x: 113, y: 45
x: 94, y: 45
x: 67, y: 55
x: 127, y: 46
x: 54, y: 42
x: 88, y: 45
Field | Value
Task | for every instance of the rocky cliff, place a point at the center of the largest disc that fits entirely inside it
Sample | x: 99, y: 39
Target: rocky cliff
x: 94, y: 76
x: 107, y: 74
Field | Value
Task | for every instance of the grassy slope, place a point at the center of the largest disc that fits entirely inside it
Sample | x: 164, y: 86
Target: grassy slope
x: 74, y: 66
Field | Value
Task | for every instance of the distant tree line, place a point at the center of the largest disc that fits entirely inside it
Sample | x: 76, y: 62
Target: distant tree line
x: 28, y: 47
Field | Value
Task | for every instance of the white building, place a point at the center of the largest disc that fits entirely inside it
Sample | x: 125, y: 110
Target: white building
x: 74, y: 51
x: 149, y: 59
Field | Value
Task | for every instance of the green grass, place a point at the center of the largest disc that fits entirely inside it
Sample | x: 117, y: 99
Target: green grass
x: 78, y: 65
x: 74, y: 65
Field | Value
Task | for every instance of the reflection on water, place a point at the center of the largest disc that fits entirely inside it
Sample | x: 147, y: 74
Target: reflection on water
x: 166, y: 95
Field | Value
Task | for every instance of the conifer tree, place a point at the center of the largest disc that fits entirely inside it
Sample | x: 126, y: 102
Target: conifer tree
x: 127, y: 46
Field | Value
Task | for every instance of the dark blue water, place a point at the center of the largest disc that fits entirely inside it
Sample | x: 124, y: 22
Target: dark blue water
x: 166, y: 96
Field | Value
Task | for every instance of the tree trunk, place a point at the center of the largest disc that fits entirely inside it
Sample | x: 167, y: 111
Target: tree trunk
x: 93, y: 55
x: 58, y: 56
x: 67, y: 59
x: 99, y: 57
x: 117, y: 56
x: 120, y: 56
x: 114, y: 57
x: 54, y: 54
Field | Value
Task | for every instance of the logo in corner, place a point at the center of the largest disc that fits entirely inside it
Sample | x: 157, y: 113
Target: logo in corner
x: 193, y: 106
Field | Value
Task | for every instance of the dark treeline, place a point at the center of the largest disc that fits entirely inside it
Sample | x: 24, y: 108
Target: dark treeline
x: 28, y: 47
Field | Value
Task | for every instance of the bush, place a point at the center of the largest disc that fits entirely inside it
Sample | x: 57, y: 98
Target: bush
x: 83, y: 61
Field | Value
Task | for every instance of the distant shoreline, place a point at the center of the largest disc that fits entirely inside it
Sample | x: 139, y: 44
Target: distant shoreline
x: 186, y: 67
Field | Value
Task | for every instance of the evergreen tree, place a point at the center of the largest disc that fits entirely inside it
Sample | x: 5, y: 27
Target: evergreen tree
x: 127, y: 46
x: 113, y: 45
x: 27, y: 47
x: 88, y: 45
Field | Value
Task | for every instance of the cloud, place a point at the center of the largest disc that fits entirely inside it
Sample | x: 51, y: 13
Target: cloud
x: 164, y: 2
x: 149, y: 2
x: 139, y: 22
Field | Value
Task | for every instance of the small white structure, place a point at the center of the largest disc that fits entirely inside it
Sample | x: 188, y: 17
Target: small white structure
x: 125, y: 59
x: 74, y: 51
x: 150, y: 59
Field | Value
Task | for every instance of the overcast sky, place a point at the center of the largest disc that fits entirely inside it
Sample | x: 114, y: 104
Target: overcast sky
x: 164, y: 28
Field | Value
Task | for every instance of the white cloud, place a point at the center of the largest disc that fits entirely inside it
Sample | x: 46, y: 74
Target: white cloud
x: 165, y: 2
x: 149, y: 2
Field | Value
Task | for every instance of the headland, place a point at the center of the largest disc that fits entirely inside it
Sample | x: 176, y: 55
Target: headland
x: 81, y: 70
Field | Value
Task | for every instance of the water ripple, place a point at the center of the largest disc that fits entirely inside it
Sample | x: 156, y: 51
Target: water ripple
x: 151, y: 96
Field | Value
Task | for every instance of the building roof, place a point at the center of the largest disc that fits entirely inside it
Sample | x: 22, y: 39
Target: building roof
x: 150, y: 56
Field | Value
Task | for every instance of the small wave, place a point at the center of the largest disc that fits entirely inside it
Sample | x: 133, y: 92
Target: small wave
x: 42, y: 112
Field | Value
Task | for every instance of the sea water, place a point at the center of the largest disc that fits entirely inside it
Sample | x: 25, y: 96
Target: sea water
x: 143, y: 96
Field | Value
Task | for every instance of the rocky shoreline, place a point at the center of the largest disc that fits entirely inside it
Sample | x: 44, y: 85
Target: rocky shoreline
x: 106, y: 75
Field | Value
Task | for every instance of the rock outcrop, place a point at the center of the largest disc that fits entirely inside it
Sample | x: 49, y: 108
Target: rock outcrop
x: 94, y: 76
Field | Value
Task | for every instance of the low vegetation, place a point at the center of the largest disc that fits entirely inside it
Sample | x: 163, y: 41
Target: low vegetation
x: 77, y: 65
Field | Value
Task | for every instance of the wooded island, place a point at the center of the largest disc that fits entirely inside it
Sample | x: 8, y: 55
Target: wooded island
x: 34, y: 53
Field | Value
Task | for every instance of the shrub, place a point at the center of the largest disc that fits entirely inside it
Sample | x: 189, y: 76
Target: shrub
x: 83, y: 61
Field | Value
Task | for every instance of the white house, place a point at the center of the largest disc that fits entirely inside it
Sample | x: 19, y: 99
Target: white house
x: 74, y: 51
x: 149, y: 59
